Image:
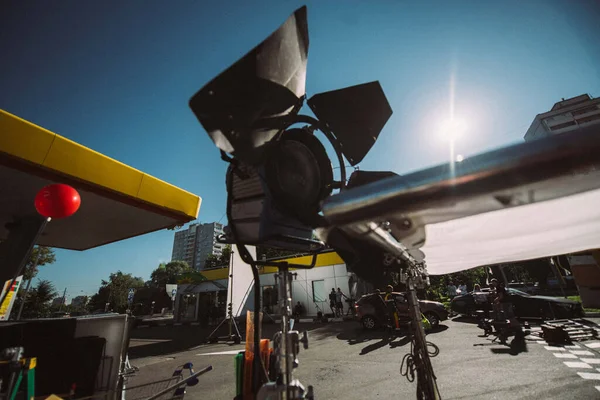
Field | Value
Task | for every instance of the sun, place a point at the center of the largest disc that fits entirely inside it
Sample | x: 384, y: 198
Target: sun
x: 453, y: 128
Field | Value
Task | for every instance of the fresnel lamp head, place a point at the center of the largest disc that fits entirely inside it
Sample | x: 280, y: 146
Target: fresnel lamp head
x: 280, y: 173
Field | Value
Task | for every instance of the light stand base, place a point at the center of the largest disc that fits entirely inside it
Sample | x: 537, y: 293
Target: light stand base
x: 232, y: 337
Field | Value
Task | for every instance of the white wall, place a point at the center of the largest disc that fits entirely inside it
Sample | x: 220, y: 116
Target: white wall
x: 334, y: 276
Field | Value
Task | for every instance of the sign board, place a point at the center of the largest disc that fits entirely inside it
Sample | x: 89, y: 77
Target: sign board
x: 9, y: 301
x: 172, y: 290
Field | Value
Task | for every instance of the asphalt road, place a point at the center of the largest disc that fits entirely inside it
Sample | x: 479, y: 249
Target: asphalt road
x: 345, y: 362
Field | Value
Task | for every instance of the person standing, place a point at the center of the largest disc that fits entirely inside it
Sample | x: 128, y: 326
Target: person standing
x: 332, y: 299
x: 451, y: 290
x: 391, y: 304
x: 339, y: 305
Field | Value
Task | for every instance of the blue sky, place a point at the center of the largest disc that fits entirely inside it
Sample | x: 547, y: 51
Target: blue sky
x: 117, y: 76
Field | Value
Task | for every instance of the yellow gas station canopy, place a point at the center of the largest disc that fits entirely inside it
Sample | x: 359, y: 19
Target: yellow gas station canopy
x: 117, y: 201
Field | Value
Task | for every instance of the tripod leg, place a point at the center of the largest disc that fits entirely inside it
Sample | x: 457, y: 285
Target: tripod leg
x: 237, y: 330
x: 216, y: 329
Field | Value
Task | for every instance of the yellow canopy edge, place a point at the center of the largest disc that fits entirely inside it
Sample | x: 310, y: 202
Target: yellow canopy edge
x: 26, y: 141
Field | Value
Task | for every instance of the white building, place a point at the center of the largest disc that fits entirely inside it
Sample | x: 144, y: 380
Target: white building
x: 566, y: 115
x: 310, y: 287
x: 194, y: 244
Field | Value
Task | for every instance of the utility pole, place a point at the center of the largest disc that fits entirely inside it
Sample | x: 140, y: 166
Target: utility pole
x: 64, y: 299
x: 34, y: 268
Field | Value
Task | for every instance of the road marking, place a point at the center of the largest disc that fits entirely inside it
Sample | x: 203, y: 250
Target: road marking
x: 577, y: 364
x: 582, y: 352
x: 597, y: 388
x: 573, y: 346
x: 223, y: 353
x: 564, y: 355
x: 591, y: 360
x: 594, y: 345
x: 555, y: 348
x: 589, y: 375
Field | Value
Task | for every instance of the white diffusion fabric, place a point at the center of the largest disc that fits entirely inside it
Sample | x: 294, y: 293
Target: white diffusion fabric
x: 240, y: 280
x: 554, y: 227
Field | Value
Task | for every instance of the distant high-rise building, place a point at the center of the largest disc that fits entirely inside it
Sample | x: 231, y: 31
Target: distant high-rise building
x: 79, y: 301
x: 58, y: 301
x: 566, y: 115
x: 194, y: 244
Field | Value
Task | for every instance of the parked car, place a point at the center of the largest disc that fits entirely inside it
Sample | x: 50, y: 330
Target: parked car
x: 371, y: 313
x: 527, y: 287
x: 525, y: 306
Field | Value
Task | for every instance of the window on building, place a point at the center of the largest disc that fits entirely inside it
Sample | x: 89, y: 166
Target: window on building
x: 585, y: 110
x: 318, y: 291
x: 563, y: 125
x: 589, y: 119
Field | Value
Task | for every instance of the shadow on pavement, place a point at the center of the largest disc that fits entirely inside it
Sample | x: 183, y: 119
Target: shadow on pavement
x: 465, y: 319
x: 162, y: 340
x: 385, y: 337
x: 515, y: 348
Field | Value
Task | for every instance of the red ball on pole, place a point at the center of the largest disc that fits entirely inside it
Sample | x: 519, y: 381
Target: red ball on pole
x: 57, y: 201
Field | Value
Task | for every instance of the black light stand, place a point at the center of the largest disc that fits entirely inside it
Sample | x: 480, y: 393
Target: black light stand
x: 237, y: 337
x: 286, y: 343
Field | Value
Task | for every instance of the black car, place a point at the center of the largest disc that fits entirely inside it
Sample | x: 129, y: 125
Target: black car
x: 525, y: 306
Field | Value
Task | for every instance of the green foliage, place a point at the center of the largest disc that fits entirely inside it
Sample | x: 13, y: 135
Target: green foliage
x: 517, y: 273
x: 169, y: 273
x: 145, y: 296
x: 40, y: 256
x: 115, y: 291
x: 270, y: 253
x: 437, y: 291
x: 214, y: 261
x: 191, y: 277
x: 39, y: 301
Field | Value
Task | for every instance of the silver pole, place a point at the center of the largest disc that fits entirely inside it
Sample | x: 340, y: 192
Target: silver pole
x: 35, y: 265
x: 285, y: 310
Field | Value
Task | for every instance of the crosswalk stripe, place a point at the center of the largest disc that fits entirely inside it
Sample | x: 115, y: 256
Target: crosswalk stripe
x: 589, y: 375
x: 582, y: 352
x: 591, y: 360
x: 555, y: 348
x: 564, y: 355
x: 593, y: 345
x: 577, y: 364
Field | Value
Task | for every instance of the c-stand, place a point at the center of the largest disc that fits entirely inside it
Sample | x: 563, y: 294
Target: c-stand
x: 286, y: 343
x: 237, y: 338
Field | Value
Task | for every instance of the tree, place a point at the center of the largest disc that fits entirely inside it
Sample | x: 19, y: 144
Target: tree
x: 270, y: 252
x: 38, y: 302
x: 470, y: 277
x: 225, y: 255
x: 115, y: 291
x: 169, y: 273
x: 212, y: 261
x: 40, y: 256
